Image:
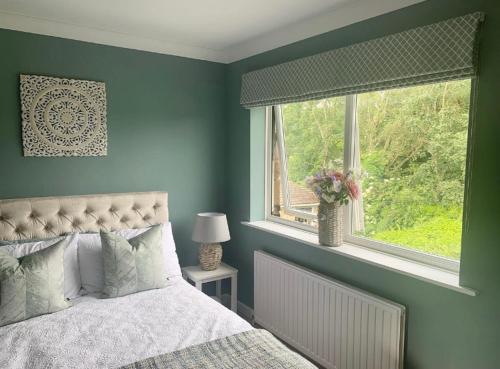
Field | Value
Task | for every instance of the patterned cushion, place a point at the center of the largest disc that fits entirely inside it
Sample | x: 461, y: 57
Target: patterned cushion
x: 134, y: 265
x: 72, y: 282
x: 32, y: 285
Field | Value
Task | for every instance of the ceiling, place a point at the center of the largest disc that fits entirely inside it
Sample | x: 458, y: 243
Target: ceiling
x: 215, y: 30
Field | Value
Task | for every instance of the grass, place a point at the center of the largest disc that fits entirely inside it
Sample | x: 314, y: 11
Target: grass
x: 440, y: 235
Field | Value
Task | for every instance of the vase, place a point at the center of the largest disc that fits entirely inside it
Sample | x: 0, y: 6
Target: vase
x: 330, y: 223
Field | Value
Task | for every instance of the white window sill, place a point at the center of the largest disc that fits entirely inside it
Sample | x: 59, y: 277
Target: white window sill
x: 413, y: 269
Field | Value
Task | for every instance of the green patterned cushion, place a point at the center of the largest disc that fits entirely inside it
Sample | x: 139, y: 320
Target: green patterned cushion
x: 134, y: 265
x: 32, y: 285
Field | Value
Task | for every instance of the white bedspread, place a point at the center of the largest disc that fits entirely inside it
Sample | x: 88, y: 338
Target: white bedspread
x: 108, y: 333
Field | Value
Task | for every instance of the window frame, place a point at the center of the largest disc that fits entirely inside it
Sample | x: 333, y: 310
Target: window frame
x: 270, y: 110
x: 350, y: 125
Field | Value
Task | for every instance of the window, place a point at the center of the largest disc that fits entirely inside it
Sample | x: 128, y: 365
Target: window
x: 306, y: 136
x: 408, y: 148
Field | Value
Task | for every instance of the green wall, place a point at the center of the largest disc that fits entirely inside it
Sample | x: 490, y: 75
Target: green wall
x: 175, y: 124
x: 445, y: 329
x: 166, y: 120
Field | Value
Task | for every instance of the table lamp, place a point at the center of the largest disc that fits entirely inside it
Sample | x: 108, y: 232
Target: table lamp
x: 209, y: 230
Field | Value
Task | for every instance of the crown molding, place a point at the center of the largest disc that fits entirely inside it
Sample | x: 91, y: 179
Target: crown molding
x: 19, y: 22
x: 350, y: 13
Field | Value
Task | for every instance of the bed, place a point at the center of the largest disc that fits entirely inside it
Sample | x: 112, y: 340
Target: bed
x: 172, y: 327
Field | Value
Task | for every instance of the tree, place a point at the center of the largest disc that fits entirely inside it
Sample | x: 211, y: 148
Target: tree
x: 413, y: 144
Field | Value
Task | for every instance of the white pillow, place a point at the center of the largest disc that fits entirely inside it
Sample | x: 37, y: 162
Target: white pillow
x: 72, y: 283
x: 90, y: 256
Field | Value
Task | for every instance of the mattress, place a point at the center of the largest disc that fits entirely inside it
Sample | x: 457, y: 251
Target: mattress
x: 109, y: 333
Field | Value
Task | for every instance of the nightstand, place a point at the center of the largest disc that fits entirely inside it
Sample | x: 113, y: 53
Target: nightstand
x: 199, y: 276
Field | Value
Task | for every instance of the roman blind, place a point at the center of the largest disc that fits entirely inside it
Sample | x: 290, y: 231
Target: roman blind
x: 441, y: 51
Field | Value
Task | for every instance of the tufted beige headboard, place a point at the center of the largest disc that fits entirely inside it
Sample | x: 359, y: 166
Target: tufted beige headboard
x: 44, y: 217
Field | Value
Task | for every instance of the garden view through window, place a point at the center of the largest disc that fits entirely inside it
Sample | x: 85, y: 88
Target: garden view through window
x: 407, y: 147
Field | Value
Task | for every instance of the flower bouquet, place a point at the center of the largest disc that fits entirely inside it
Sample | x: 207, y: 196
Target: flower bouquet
x: 334, y: 190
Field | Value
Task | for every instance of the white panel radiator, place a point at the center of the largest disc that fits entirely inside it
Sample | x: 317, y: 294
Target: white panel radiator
x: 335, y: 325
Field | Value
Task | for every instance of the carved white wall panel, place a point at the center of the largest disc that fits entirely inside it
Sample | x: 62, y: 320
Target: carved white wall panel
x: 63, y: 117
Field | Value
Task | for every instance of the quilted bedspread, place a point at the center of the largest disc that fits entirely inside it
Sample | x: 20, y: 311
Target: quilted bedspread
x: 248, y: 350
x: 109, y: 333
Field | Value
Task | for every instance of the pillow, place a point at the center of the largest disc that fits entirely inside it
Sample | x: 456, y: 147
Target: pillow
x: 132, y: 265
x: 90, y: 256
x: 72, y: 282
x: 33, y: 284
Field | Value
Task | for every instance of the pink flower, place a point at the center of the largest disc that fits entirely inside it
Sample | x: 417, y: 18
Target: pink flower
x: 332, y: 185
x: 337, y: 175
x: 353, y: 189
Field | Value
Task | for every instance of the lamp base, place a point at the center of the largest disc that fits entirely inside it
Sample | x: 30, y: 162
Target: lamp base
x: 210, y: 256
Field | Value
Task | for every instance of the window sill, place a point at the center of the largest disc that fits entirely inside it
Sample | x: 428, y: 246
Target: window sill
x: 410, y: 268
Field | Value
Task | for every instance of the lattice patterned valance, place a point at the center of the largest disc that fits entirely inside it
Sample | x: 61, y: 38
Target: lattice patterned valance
x: 437, y: 52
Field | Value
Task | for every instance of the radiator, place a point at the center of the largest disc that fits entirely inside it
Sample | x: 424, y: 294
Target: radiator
x: 336, y: 325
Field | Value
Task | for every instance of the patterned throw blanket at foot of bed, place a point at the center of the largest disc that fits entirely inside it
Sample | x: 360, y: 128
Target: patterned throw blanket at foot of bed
x: 248, y: 350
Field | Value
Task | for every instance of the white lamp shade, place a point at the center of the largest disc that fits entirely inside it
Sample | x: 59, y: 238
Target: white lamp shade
x: 210, y: 228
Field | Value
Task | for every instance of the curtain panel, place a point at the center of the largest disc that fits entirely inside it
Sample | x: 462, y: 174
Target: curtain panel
x: 438, y: 52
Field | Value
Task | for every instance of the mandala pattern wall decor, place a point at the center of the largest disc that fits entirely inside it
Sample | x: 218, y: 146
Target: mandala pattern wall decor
x: 63, y: 117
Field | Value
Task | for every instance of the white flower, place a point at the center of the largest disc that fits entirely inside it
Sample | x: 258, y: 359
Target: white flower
x: 337, y: 186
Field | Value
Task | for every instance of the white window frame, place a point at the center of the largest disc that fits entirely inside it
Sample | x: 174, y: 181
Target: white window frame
x: 349, y: 147
x: 284, y: 175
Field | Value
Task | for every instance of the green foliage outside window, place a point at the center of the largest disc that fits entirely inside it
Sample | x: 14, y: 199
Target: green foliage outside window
x: 413, y: 145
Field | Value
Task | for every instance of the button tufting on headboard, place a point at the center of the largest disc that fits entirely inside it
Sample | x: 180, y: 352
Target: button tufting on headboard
x: 44, y: 217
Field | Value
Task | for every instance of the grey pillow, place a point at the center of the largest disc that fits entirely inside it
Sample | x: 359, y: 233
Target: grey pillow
x: 33, y: 284
x: 134, y: 265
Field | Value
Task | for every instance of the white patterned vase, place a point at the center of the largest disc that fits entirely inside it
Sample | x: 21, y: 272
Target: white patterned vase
x: 330, y: 223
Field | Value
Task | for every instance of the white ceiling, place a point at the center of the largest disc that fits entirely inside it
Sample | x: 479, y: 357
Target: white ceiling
x: 216, y: 30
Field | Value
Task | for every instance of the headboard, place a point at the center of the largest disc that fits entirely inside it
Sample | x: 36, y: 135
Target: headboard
x: 44, y: 217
